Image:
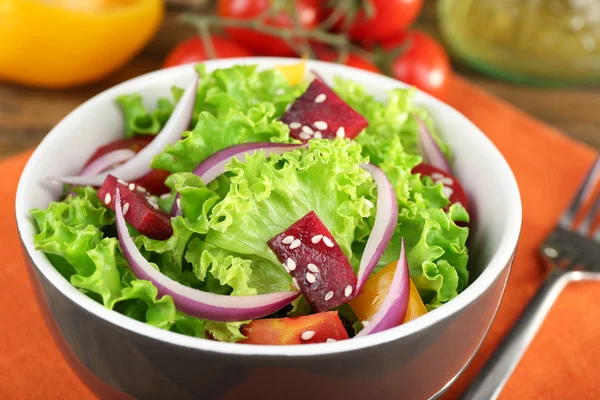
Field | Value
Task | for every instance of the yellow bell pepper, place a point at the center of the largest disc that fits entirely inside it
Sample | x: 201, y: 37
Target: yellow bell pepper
x: 293, y: 72
x: 64, y: 43
x: 368, y: 302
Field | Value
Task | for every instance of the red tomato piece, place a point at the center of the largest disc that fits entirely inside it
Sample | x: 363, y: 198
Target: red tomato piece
x: 353, y: 60
x: 307, y: 12
x: 192, y: 50
x: 315, y: 328
x: 424, y: 63
x: 452, y: 186
x: 153, y: 181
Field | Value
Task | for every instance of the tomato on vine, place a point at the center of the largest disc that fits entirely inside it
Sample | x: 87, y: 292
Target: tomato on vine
x: 193, y: 50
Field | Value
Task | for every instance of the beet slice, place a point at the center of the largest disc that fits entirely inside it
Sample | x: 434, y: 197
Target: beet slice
x: 316, y: 262
x: 320, y: 113
x: 138, y: 208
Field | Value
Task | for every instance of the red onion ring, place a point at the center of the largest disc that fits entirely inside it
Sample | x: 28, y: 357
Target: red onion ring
x: 394, y: 306
x: 107, y: 161
x: 214, y: 165
x: 431, y: 151
x: 139, y: 165
x: 383, y: 228
x: 195, y: 302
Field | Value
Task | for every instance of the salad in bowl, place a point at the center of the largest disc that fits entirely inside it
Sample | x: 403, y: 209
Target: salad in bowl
x: 256, y: 207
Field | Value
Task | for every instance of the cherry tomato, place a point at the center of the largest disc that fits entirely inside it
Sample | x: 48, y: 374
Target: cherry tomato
x: 366, y: 304
x: 315, y: 328
x: 423, y: 64
x: 153, y: 181
x: 192, y: 50
x: 353, y: 59
x: 390, y: 17
x: 452, y: 186
x: 307, y: 12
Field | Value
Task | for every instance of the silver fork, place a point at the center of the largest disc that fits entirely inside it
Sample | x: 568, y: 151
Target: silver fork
x: 572, y: 253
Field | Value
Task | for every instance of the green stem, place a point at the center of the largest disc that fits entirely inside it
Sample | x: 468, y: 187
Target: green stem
x: 338, y: 12
x: 204, y: 32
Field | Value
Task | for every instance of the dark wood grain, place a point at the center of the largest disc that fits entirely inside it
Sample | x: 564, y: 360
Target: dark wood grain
x: 26, y: 114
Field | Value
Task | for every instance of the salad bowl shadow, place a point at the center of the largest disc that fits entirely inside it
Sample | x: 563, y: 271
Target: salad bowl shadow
x: 118, y: 357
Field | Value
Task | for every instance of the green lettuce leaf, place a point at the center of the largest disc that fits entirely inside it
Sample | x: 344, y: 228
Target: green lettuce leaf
x: 138, y: 120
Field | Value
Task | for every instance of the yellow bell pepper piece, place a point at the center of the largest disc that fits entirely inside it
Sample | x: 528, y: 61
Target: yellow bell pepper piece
x: 64, y: 43
x: 293, y: 72
x: 368, y: 302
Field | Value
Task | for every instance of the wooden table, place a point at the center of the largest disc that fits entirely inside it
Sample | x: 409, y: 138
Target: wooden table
x: 26, y: 115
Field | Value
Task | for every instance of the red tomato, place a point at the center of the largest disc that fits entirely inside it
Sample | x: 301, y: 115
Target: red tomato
x: 307, y: 12
x: 154, y: 181
x: 390, y: 17
x: 353, y: 59
x: 315, y: 328
x: 192, y: 50
x: 452, y: 186
x: 423, y: 64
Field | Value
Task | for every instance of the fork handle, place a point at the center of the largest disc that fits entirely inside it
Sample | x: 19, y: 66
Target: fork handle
x: 495, y: 373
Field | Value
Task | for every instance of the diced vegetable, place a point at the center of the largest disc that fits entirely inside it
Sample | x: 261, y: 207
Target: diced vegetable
x: 366, y: 304
x: 316, y: 262
x: 320, y: 113
x: 316, y: 328
x: 138, y: 208
x: 294, y: 73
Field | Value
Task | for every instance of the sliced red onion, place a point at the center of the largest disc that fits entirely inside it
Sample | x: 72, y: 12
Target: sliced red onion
x: 197, y: 303
x: 214, y: 166
x: 431, y: 151
x: 383, y: 229
x: 394, y: 306
x: 139, y: 165
x: 107, y: 161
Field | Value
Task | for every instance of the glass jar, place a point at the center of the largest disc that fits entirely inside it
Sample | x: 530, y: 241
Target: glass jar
x: 532, y: 41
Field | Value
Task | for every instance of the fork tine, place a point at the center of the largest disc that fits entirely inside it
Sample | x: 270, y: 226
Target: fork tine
x: 566, y: 220
x: 586, y: 224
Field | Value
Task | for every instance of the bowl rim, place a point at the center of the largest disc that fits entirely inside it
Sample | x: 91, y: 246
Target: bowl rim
x: 500, y: 259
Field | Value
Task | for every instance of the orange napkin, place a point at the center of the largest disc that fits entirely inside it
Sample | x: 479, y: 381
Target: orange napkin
x: 548, y: 167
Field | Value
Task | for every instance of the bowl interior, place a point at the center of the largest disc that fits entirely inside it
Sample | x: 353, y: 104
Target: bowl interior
x: 487, y: 179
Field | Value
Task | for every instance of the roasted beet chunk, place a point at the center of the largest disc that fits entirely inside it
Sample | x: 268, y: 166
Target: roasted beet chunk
x: 138, y: 208
x: 317, y: 264
x: 320, y: 113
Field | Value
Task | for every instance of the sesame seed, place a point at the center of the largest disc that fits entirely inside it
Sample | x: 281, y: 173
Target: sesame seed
x: 348, y: 291
x: 125, y: 208
x: 165, y: 196
x: 286, y: 268
x: 366, y: 323
x: 447, y: 181
x: 447, y: 191
x: 307, y: 335
x: 458, y: 203
x: 295, y: 244
x: 341, y: 132
x: 287, y: 240
x: 295, y: 125
x: 291, y: 264
x: 178, y: 203
x: 369, y: 203
x: 154, y: 205
x: 288, y: 106
x: 305, y: 136
x: 295, y: 282
x: 279, y: 91
x: 436, y: 176
x: 329, y: 295
x: 122, y: 182
x: 322, y: 125
x: 318, y: 135
x: 327, y: 241
x: 320, y: 98
x: 313, y: 268
x: 310, y: 277
x: 316, y: 239
x: 131, y: 186
x: 107, y: 199
x: 307, y: 129
x: 331, y: 340
x: 141, y: 189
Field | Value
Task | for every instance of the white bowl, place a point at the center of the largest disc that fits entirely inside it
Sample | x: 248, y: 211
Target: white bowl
x: 416, y: 360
